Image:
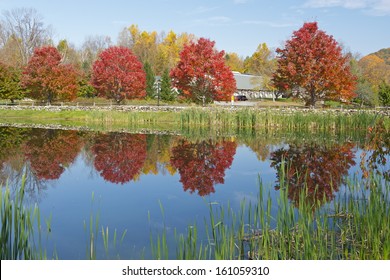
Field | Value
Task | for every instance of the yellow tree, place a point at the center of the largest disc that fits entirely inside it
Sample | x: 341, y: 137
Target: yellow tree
x: 235, y: 62
x: 261, y: 62
x: 143, y: 44
x: 375, y: 70
x: 168, y: 52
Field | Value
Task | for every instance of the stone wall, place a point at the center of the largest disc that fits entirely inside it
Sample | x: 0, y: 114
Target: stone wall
x: 125, y: 108
x: 255, y: 94
x: 119, y: 108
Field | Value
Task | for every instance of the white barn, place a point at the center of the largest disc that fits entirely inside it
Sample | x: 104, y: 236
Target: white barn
x: 251, y: 86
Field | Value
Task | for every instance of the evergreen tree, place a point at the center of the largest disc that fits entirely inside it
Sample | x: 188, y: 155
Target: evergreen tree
x: 9, y: 83
x: 384, y: 94
x: 150, y: 80
x: 166, y: 93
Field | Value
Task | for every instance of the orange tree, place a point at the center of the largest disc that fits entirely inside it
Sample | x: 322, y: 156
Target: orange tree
x: 50, y: 152
x: 46, y: 78
x: 317, y: 170
x: 312, y: 67
x: 202, y: 74
x: 119, y: 75
x: 202, y: 164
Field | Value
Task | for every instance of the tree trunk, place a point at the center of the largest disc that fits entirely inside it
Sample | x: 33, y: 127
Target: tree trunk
x: 49, y: 98
x: 311, y: 101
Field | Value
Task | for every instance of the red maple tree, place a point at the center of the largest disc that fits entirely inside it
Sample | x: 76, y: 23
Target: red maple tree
x: 201, y: 165
x: 312, y: 67
x: 202, y: 74
x: 313, y: 168
x: 119, y: 75
x: 51, y: 151
x: 119, y: 157
x: 46, y: 78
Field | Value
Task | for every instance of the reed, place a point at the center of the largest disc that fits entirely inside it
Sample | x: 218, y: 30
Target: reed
x: 18, y: 226
x: 356, y: 225
x: 214, y: 118
x: 94, y: 230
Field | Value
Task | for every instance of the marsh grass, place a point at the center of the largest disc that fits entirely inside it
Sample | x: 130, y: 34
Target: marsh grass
x: 356, y: 225
x: 21, y: 228
x: 214, y: 118
x: 95, y: 230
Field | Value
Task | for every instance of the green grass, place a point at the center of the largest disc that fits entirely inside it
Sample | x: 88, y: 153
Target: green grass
x: 355, y: 226
x: 21, y: 227
x: 195, y: 117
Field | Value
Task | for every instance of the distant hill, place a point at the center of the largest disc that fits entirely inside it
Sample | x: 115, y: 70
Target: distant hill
x: 384, y: 54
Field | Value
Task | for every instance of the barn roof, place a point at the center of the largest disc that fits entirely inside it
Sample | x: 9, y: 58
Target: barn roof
x: 247, y: 82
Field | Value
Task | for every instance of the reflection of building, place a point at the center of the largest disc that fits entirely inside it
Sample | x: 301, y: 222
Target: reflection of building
x: 251, y: 86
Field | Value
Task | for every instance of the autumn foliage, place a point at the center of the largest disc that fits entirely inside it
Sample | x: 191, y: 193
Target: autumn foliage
x: 202, y: 74
x: 46, y: 78
x: 51, y: 151
x: 375, y: 155
x: 119, y: 157
x: 312, y: 67
x: 319, y: 170
x: 119, y: 75
x: 201, y: 165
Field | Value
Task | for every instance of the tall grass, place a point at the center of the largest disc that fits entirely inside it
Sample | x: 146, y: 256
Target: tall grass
x: 356, y: 225
x: 95, y: 230
x: 18, y: 226
x: 214, y: 118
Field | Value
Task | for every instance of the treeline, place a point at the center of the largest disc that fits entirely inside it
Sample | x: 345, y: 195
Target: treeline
x: 22, y: 31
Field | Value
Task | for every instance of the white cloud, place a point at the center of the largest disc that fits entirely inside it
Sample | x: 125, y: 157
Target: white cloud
x: 381, y: 8
x: 374, y: 7
x: 268, y: 23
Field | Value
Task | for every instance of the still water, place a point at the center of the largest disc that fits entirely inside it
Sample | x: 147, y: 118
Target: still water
x: 141, y: 184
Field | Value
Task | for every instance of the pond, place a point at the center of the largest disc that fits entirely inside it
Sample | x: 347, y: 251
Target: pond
x: 134, y: 186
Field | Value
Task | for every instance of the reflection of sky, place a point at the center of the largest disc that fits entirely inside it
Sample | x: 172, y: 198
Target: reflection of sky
x: 127, y: 207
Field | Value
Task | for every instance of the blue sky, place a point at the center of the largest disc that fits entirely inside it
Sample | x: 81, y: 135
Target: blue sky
x: 362, y: 26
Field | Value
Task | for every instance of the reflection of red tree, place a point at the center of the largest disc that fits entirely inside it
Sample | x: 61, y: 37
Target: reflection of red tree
x: 50, y: 151
x: 203, y: 164
x: 319, y: 169
x: 119, y: 157
x: 378, y: 143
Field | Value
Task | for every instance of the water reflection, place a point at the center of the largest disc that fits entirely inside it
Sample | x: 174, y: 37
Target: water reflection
x: 119, y: 157
x: 49, y: 152
x: 376, y: 151
x: 199, y: 164
x: 202, y: 164
x: 318, y: 169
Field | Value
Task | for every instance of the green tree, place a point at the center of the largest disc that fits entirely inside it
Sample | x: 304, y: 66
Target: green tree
x: 86, y: 89
x: 384, y: 94
x: 235, y: 62
x: 166, y: 93
x: 150, y: 79
x: 10, y: 83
